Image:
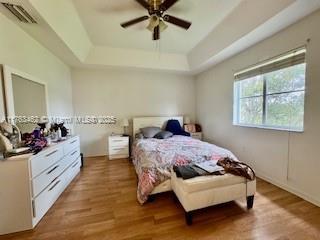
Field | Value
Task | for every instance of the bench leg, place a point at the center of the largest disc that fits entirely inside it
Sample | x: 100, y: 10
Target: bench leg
x: 250, y: 200
x: 188, y: 216
x: 175, y: 198
x: 151, y: 198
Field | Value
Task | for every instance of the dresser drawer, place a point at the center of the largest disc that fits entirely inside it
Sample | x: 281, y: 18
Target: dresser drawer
x: 73, y: 155
x: 73, y: 170
x: 40, y: 163
x: 45, y: 200
x: 118, y: 151
x: 45, y: 178
x: 71, y: 144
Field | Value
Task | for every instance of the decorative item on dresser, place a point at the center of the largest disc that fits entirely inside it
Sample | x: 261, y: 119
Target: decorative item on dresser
x: 118, y: 146
x: 30, y: 184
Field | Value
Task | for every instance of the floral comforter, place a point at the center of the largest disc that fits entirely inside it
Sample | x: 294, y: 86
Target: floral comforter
x: 154, y: 158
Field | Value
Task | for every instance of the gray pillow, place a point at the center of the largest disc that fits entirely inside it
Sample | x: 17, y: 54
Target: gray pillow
x: 150, y: 132
x: 163, y: 135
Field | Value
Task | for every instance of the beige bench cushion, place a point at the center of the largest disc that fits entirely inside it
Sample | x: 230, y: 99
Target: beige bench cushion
x: 207, y: 182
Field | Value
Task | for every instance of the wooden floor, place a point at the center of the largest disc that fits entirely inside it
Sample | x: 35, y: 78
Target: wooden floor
x: 101, y: 204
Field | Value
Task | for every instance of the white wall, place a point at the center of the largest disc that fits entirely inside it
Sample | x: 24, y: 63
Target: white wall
x: 126, y: 93
x: 272, y: 153
x: 20, y: 51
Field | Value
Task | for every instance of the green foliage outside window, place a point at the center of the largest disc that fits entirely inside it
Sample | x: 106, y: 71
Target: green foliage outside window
x: 274, y: 100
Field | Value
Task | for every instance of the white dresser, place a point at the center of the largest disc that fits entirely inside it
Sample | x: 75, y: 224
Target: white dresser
x: 118, y: 147
x: 30, y: 184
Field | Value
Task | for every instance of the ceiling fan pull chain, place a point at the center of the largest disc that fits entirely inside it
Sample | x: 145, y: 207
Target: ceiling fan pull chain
x: 159, y: 53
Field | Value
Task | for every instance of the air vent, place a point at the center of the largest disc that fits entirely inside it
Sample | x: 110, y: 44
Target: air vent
x: 19, y: 12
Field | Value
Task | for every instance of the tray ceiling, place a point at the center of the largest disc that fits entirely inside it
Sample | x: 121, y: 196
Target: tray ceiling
x: 102, y: 20
x: 87, y: 33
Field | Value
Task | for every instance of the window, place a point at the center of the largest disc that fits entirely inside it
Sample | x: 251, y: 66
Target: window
x: 271, y: 94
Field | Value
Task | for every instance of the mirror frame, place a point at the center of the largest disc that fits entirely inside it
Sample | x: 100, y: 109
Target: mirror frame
x: 7, y: 72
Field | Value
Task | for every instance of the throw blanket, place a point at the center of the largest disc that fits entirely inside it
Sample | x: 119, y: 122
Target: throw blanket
x: 154, y: 158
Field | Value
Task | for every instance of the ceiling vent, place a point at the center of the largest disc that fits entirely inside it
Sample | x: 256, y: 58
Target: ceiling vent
x: 19, y: 12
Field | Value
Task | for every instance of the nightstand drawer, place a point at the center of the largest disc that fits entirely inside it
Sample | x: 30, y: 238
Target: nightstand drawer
x: 118, y: 151
x: 118, y: 147
x: 118, y: 141
x: 122, y: 143
x: 197, y: 135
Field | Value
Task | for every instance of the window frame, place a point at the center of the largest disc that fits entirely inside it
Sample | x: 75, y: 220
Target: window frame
x: 263, y: 125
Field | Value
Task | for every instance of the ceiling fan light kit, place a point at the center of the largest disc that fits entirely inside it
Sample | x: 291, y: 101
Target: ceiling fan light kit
x: 154, y: 21
x: 157, y: 19
x: 162, y: 26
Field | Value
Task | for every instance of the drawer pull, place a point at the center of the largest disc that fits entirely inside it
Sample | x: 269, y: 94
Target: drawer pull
x: 49, y: 154
x: 52, y: 170
x: 33, y: 209
x: 74, y: 165
x: 50, y: 189
x: 74, y: 153
x: 118, y: 148
x: 73, y: 141
x: 120, y: 140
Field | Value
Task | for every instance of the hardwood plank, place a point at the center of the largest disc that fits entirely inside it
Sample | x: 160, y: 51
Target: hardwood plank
x: 101, y: 204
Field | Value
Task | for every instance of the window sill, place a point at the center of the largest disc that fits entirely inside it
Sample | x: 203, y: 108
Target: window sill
x: 270, y: 128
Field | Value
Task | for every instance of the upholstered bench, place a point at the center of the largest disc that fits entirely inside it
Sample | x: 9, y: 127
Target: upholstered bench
x: 204, y: 191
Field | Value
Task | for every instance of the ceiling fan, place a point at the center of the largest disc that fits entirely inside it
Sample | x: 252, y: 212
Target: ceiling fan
x: 157, y: 17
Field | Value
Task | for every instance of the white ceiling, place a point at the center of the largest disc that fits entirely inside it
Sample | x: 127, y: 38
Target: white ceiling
x: 102, y: 18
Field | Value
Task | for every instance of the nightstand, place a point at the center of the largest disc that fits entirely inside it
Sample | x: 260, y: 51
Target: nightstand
x: 197, y: 135
x: 118, y: 147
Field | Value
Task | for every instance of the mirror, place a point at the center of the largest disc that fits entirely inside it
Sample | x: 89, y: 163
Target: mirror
x: 29, y: 99
x: 25, y: 99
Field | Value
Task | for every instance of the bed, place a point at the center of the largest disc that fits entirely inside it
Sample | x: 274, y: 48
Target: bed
x: 153, y: 158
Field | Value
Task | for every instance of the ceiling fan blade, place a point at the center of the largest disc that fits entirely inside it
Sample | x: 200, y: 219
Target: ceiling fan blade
x: 144, y: 4
x: 177, y: 21
x: 167, y: 4
x: 134, y: 21
x: 156, y: 33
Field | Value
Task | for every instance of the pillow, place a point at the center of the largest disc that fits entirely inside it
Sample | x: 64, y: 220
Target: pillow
x: 150, y: 132
x: 163, y: 135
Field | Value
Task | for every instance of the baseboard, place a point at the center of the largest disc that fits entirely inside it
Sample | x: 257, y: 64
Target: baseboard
x: 96, y: 156
x: 290, y: 189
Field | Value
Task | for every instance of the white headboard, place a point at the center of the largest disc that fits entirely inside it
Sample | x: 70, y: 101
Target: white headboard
x: 152, y: 122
